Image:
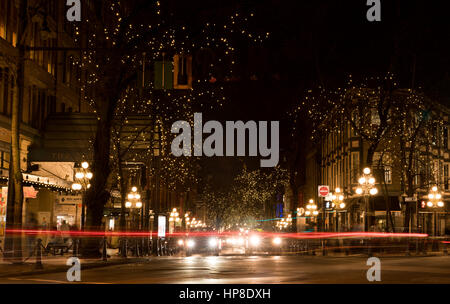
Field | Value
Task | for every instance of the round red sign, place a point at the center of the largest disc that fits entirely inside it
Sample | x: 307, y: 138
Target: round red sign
x: 323, y: 191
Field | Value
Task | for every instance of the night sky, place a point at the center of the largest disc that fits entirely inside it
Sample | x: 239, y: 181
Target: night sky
x: 316, y: 43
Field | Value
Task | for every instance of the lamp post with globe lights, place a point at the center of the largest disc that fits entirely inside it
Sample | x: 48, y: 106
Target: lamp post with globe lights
x: 366, y: 188
x: 337, y: 203
x: 82, y: 177
x: 435, y: 202
x: 174, y: 219
x: 135, y: 204
x: 311, y: 209
x: 310, y: 212
x: 283, y: 223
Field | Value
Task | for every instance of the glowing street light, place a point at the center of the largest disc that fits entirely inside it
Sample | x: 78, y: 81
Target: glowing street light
x: 435, y: 202
x: 76, y: 186
x: 366, y: 188
x: 435, y: 198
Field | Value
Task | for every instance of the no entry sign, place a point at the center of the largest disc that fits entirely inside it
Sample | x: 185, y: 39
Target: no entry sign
x: 323, y: 190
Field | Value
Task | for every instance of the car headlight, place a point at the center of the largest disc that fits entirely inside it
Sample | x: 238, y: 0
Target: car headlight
x: 212, y: 242
x: 180, y: 242
x: 255, y: 240
x: 190, y: 243
x: 277, y: 241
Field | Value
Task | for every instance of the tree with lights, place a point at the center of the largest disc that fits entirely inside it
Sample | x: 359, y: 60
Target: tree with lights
x: 246, y: 202
x: 395, y: 124
x: 415, y: 124
x: 123, y: 32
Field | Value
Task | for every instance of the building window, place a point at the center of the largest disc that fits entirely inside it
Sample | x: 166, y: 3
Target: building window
x: 7, y: 84
x: 10, y: 15
x: 355, y: 167
x: 446, y: 176
x: 446, y: 138
x: 388, y: 174
x: 384, y: 162
x: 434, y: 135
x: 436, y: 171
x: 3, y: 14
x: 375, y: 118
x: 5, y: 158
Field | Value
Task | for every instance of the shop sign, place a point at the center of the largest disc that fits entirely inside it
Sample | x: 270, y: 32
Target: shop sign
x: 70, y: 199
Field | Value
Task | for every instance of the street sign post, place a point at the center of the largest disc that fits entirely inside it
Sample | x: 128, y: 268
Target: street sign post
x: 161, y: 226
x: 410, y: 199
x: 324, y: 190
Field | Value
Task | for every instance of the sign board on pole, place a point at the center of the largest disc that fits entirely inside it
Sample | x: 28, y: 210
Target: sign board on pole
x: 161, y: 226
x: 70, y: 199
x: 410, y: 199
x: 324, y: 190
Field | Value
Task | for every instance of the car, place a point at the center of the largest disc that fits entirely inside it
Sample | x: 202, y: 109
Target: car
x: 202, y: 242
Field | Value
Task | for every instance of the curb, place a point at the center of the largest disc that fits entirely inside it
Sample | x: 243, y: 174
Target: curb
x: 63, y: 268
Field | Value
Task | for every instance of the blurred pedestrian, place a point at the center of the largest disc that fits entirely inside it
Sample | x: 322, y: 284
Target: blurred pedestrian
x: 32, y: 225
x: 65, y: 231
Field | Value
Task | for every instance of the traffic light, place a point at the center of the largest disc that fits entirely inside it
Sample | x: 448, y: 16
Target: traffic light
x: 423, y: 204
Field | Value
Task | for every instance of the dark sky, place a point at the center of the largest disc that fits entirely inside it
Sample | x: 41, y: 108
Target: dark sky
x: 321, y: 42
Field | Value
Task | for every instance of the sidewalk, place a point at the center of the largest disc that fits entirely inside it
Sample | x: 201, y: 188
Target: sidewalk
x: 54, y: 264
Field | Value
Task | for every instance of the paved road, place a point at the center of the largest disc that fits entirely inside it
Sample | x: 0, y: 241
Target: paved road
x: 271, y: 269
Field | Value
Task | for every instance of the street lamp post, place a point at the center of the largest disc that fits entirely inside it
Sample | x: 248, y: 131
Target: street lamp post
x: 337, y: 203
x: 283, y: 223
x: 173, y: 220
x: 311, y: 210
x: 435, y: 202
x: 366, y: 188
x: 134, y: 203
x: 81, y: 183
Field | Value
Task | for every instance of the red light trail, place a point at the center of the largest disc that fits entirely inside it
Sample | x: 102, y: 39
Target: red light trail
x: 299, y: 235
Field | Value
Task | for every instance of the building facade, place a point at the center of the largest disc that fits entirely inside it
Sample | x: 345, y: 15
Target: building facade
x: 52, y: 85
x: 338, y: 160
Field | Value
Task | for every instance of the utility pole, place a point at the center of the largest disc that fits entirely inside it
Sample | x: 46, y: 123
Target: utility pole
x: 13, y: 246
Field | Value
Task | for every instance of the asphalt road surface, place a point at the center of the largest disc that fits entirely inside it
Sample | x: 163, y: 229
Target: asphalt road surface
x: 257, y: 270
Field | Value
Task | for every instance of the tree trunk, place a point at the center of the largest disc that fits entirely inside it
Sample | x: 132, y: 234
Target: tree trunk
x: 13, y: 245
x: 370, y: 217
x: 97, y: 195
x: 410, y: 192
x: 123, y: 197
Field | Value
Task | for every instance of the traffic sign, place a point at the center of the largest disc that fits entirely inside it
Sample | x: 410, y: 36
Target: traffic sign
x: 161, y: 226
x: 324, y: 190
x: 410, y: 199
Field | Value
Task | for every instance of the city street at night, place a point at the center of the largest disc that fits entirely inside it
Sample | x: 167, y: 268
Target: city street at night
x: 257, y: 270
x: 241, y: 143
